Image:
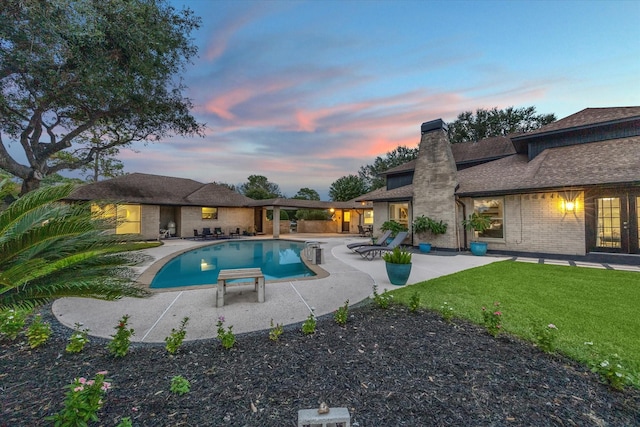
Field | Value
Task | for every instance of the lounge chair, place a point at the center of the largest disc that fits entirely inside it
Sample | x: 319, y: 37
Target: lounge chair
x: 218, y: 233
x: 370, y: 252
x: 206, y: 233
x: 382, y: 241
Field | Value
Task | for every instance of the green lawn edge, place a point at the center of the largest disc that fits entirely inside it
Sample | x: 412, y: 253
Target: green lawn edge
x: 595, y: 310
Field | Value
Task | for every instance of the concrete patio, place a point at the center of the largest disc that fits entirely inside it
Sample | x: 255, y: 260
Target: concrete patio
x: 350, y: 278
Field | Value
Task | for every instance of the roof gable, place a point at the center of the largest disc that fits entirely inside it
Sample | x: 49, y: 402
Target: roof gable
x: 599, y: 163
x: 587, y: 117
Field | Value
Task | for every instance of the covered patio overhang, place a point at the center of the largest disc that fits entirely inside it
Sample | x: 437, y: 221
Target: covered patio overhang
x: 283, y: 203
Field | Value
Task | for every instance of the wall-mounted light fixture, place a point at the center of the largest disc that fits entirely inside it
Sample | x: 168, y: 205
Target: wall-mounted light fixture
x: 569, y: 202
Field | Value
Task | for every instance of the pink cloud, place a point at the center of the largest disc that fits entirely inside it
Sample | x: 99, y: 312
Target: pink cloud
x: 219, y: 40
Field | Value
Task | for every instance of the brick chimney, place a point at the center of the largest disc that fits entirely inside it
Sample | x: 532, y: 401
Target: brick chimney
x: 434, y: 183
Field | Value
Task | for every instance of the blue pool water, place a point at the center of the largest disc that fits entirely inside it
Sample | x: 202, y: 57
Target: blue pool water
x: 278, y: 259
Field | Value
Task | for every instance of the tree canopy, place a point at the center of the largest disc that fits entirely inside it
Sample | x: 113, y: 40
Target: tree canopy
x: 258, y: 187
x: 72, y: 67
x: 307, y: 194
x: 487, y: 123
x: 370, y: 173
x: 347, y: 188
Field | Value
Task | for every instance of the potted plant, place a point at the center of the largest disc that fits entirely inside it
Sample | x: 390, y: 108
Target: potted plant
x: 394, y: 227
x: 398, y: 264
x: 423, y: 224
x: 478, y: 223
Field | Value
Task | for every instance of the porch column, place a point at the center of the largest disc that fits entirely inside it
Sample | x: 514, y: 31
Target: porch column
x: 276, y: 222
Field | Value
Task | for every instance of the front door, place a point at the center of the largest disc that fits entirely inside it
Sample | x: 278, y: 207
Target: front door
x: 346, y: 221
x: 617, y: 223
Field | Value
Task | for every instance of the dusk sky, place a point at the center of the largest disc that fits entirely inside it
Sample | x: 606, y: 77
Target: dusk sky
x: 305, y: 92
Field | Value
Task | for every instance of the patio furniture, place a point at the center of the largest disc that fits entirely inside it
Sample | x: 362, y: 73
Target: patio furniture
x: 365, y: 231
x: 206, y: 233
x: 218, y: 233
x: 235, y: 233
x: 240, y: 273
x: 370, y: 252
x: 382, y: 241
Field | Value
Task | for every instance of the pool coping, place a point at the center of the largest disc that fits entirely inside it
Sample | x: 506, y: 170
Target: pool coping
x: 146, y: 277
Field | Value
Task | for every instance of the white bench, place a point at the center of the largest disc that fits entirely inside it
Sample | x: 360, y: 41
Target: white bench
x: 239, y: 273
x: 336, y: 417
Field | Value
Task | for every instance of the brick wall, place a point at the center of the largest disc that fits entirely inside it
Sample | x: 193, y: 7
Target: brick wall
x: 149, y: 221
x: 228, y: 219
x: 535, y: 222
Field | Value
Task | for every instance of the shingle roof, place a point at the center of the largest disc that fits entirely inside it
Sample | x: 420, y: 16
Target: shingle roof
x: 606, y: 162
x: 588, y: 117
x: 159, y: 190
x: 218, y: 195
x: 405, y: 167
x: 485, y: 149
x: 381, y: 194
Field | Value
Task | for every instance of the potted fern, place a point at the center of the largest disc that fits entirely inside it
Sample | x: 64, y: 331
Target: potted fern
x: 398, y: 265
x: 424, y: 224
x: 477, y: 223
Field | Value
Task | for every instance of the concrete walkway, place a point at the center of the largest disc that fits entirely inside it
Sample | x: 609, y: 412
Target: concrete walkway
x: 350, y: 278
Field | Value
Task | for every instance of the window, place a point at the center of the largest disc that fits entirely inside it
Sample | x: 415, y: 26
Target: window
x: 128, y: 219
x: 494, y: 209
x: 368, y: 217
x: 399, y: 212
x: 127, y: 216
x: 608, y: 220
x: 209, y: 213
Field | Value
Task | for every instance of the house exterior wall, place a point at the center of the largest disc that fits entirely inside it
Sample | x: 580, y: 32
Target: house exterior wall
x: 228, y: 219
x: 434, y: 186
x: 149, y: 222
x: 380, y: 215
x: 267, y: 226
x: 316, y: 226
x: 536, y: 223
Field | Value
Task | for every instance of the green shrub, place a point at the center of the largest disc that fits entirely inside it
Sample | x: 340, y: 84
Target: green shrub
x: 175, y: 339
x: 180, y: 385
x: 341, y: 314
x: 276, y: 331
x: 12, y: 322
x: 119, y: 345
x: 77, y: 340
x: 309, y: 325
x: 38, y: 332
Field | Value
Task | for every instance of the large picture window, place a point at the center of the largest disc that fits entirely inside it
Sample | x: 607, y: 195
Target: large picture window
x: 127, y: 217
x: 494, y: 209
x: 209, y: 213
x: 399, y: 212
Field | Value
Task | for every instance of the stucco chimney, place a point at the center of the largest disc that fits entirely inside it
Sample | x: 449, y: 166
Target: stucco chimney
x: 434, y: 182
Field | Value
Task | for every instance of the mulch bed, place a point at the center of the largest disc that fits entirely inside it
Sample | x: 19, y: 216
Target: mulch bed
x: 388, y: 367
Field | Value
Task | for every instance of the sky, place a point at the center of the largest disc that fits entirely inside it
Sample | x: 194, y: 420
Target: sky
x: 306, y: 92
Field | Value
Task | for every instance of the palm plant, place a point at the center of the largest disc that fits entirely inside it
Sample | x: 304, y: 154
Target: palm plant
x: 51, y: 249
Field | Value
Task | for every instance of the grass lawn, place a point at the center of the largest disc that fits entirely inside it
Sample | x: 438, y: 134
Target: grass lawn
x: 597, y: 312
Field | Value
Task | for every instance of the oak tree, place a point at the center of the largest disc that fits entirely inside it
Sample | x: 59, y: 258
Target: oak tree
x: 72, y: 67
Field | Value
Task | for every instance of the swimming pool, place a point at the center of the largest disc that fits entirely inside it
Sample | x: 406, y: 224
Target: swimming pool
x: 278, y: 259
